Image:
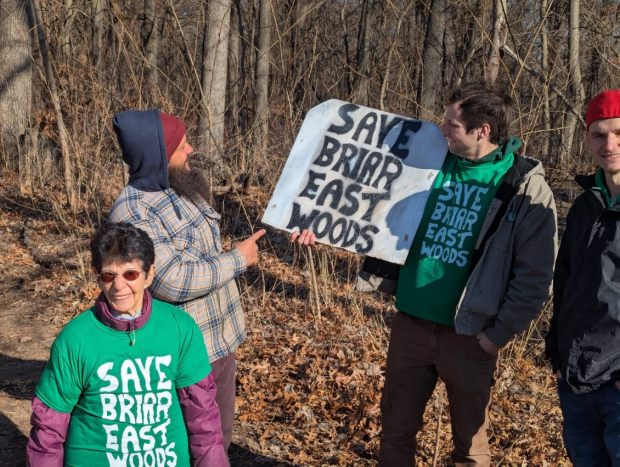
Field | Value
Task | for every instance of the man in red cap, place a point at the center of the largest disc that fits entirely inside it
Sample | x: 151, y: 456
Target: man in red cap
x: 166, y: 197
x: 583, y: 343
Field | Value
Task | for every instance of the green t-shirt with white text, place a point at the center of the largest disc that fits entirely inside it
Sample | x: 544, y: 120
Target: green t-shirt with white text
x: 439, y: 262
x: 122, y: 398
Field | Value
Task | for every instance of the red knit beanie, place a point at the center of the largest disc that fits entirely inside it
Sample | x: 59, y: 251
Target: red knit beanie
x: 603, y: 105
x: 174, y: 129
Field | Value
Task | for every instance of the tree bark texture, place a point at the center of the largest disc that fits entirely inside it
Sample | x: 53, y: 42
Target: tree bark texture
x: 214, y: 82
x: 98, y: 13
x: 544, y: 66
x: 497, y: 39
x: 366, y: 44
x: 150, y: 44
x: 63, y: 136
x: 261, y: 119
x: 575, y: 82
x: 234, y: 69
x: 431, y: 59
x: 15, y: 72
x: 67, y: 26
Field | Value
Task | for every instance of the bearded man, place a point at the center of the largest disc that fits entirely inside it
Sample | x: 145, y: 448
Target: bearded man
x: 166, y: 197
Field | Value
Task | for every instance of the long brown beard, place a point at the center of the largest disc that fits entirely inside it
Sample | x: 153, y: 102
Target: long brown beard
x: 190, y: 183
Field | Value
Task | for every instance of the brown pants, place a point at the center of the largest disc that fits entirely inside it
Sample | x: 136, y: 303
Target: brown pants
x: 224, y: 370
x: 420, y: 352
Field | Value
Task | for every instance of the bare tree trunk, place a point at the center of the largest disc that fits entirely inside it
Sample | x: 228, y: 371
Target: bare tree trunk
x: 261, y: 118
x: 431, y: 59
x: 260, y: 129
x: 576, y: 86
x: 214, y: 80
x: 417, y: 29
x: 497, y: 40
x: 98, y: 13
x: 300, y: 65
x: 15, y: 74
x: 366, y: 43
x: 234, y: 69
x: 62, y: 130
x: 114, y: 48
x: 67, y: 26
x: 544, y: 65
x: 150, y: 44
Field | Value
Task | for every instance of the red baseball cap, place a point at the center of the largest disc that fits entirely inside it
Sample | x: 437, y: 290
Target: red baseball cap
x: 603, y: 105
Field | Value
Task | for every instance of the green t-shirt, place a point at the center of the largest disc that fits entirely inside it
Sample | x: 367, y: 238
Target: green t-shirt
x: 439, y: 262
x: 122, y: 398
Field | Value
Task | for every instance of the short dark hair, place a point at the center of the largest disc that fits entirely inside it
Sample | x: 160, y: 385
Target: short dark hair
x: 484, y: 103
x: 121, y: 241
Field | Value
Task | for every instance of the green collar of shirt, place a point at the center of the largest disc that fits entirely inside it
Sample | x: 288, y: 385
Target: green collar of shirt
x: 509, y: 147
x: 601, y: 187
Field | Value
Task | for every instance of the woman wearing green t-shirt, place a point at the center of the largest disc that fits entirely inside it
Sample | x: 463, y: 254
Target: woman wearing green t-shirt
x: 128, y: 381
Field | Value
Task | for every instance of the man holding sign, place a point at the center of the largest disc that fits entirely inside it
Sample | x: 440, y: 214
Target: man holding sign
x: 477, y: 273
x: 166, y: 198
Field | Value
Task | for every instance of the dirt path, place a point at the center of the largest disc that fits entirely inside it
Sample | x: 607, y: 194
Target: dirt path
x: 26, y: 333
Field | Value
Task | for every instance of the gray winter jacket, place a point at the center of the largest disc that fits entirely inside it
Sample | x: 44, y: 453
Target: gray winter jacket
x: 516, y: 251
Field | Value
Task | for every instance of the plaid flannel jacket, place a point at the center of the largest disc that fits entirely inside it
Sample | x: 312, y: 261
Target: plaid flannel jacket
x: 191, y: 269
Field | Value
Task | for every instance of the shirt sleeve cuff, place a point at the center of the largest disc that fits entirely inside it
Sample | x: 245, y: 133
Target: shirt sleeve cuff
x: 239, y: 259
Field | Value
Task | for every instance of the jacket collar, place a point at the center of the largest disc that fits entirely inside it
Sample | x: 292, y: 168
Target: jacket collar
x: 521, y: 169
x: 103, y: 314
x: 588, y: 183
x: 585, y: 181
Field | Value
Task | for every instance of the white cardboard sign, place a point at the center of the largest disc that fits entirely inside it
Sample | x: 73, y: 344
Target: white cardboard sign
x: 358, y: 178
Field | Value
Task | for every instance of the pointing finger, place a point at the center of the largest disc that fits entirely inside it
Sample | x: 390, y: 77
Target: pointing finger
x: 256, y: 235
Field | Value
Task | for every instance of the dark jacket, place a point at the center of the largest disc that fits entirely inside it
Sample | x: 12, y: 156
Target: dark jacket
x: 584, y: 337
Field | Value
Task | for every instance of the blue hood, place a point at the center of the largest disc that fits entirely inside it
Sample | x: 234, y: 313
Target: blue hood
x: 141, y: 138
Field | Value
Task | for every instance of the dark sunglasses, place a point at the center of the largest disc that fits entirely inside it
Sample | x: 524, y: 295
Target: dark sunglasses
x: 108, y: 277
